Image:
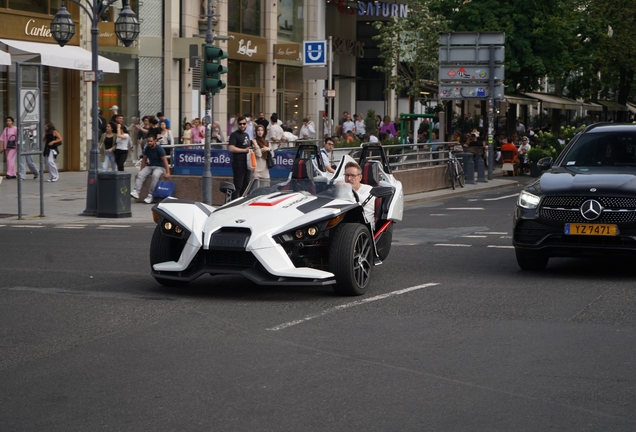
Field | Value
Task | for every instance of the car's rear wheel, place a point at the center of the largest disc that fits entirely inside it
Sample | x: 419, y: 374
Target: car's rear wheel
x: 531, y: 261
x: 351, y: 258
x: 162, y: 249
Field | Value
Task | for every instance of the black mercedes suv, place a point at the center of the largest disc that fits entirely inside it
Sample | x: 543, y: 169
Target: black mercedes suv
x: 584, y: 204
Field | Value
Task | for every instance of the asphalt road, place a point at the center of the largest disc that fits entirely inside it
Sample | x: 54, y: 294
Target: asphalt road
x: 451, y: 336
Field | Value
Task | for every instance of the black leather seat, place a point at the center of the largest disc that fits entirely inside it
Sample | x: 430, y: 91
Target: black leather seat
x: 302, y: 178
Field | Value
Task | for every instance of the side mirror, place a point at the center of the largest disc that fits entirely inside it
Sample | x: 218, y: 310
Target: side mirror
x: 227, y: 188
x: 544, y: 163
x: 382, y: 191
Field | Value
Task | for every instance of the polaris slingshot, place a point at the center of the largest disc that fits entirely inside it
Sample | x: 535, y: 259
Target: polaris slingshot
x: 308, y: 229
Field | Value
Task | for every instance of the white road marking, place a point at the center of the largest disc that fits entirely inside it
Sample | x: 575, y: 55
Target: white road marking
x: 465, y: 208
x: 71, y: 226
x: 29, y: 226
x: 501, y: 197
x: 352, y: 304
x: 112, y: 226
x: 501, y: 247
x: 491, y: 232
x: 506, y: 237
x: 438, y: 214
x: 474, y: 236
x: 450, y: 244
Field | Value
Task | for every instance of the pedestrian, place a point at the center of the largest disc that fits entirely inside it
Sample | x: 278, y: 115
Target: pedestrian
x: 216, y: 135
x: 122, y: 145
x: 163, y: 118
x: 263, y: 152
x: 388, y: 127
x: 239, y: 145
x: 154, y: 162
x: 101, y: 120
x: 274, y: 133
x: 307, y: 131
x: 8, y: 145
x: 249, y: 129
x: 107, y: 146
x: 327, y: 125
x: 186, y: 138
x: 52, y: 140
x: 361, y: 128
x: 165, y: 138
x: 348, y: 126
x: 261, y: 120
x: 198, y: 132
x: 142, y: 133
x: 326, y: 152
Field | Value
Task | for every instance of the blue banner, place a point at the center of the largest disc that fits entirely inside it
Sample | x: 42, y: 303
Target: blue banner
x: 190, y: 162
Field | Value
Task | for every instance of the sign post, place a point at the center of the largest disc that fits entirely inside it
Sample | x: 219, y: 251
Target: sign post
x: 463, y: 73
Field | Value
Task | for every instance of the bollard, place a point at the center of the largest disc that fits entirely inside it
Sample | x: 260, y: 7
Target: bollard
x: 481, y: 169
x: 469, y: 166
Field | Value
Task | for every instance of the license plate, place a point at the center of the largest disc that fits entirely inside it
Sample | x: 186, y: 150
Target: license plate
x: 591, y: 229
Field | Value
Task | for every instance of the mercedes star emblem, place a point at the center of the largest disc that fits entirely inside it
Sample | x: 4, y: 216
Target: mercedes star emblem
x: 593, y: 190
x: 591, y: 209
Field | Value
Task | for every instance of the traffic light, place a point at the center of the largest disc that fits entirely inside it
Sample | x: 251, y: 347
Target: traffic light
x: 213, y: 69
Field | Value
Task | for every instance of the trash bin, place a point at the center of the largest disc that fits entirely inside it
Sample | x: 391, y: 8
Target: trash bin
x: 113, y: 195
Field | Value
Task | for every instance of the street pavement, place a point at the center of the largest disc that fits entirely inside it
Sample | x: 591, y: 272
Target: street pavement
x: 65, y: 200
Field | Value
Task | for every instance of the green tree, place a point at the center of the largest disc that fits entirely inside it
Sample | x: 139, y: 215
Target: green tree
x: 409, y: 46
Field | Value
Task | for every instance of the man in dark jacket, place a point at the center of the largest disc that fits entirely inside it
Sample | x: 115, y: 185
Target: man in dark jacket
x: 239, y: 145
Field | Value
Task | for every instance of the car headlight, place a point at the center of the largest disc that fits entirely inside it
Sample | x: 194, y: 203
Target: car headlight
x: 528, y: 200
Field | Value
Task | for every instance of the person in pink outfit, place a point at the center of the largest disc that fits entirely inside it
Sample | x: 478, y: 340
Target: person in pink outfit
x: 8, y: 143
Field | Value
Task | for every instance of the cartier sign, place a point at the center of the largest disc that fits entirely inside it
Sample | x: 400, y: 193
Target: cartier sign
x: 290, y: 51
x: 247, y: 47
x: 27, y: 28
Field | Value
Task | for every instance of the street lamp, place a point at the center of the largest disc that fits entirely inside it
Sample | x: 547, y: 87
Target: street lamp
x: 62, y: 30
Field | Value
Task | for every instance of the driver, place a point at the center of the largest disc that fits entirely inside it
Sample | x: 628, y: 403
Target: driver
x: 353, y: 175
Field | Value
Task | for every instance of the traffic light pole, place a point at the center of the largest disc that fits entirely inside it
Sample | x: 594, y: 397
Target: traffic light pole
x: 209, y: 106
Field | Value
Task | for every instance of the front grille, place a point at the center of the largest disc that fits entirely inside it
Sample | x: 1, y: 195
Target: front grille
x: 530, y: 232
x: 225, y: 258
x: 567, y: 209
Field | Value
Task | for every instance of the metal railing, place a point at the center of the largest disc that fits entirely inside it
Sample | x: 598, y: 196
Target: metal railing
x: 400, y: 156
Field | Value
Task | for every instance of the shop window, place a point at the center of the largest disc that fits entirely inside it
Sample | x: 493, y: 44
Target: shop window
x: 243, y: 74
x: 290, y: 97
x: 291, y: 22
x: 44, y: 7
x: 109, y: 96
x: 245, y: 89
x: 112, y: 12
x: 244, y: 16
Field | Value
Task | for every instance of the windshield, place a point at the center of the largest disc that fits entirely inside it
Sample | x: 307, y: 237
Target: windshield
x: 320, y: 187
x: 603, y: 149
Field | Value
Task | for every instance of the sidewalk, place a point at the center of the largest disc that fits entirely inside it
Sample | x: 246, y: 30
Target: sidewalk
x: 65, y: 199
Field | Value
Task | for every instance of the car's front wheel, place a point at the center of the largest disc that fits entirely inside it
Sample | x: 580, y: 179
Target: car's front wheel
x: 531, y: 261
x: 162, y: 249
x: 351, y: 258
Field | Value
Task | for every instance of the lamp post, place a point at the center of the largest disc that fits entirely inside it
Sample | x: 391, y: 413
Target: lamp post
x: 62, y: 30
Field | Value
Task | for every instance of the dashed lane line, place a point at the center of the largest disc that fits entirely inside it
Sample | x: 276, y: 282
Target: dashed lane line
x: 452, y: 244
x: 491, y: 232
x: 465, y: 208
x: 501, y: 247
x: 501, y: 197
x: 352, y: 304
x: 474, y: 236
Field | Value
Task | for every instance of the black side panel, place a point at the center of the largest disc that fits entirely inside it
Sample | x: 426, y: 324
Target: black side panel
x: 383, y: 242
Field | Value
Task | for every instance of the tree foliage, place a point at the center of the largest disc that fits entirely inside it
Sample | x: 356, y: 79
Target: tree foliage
x: 409, y: 46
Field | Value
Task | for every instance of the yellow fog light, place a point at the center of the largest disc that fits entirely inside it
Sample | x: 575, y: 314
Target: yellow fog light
x: 299, y: 234
x: 312, y: 231
x: 167, y: 226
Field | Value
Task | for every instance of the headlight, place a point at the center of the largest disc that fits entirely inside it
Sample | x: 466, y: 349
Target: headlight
x: 527, y: 200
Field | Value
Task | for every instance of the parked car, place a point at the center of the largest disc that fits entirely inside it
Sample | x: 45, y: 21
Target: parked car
x: 585, y: 202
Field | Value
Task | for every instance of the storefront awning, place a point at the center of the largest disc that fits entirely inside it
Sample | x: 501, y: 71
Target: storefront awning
x: 557, y: 102
x: 613, y: 106
x: 519, y: 100
x: 591, y: 106
x: 68, y: 57
x: 631, y: 107
x: 5, y: 59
